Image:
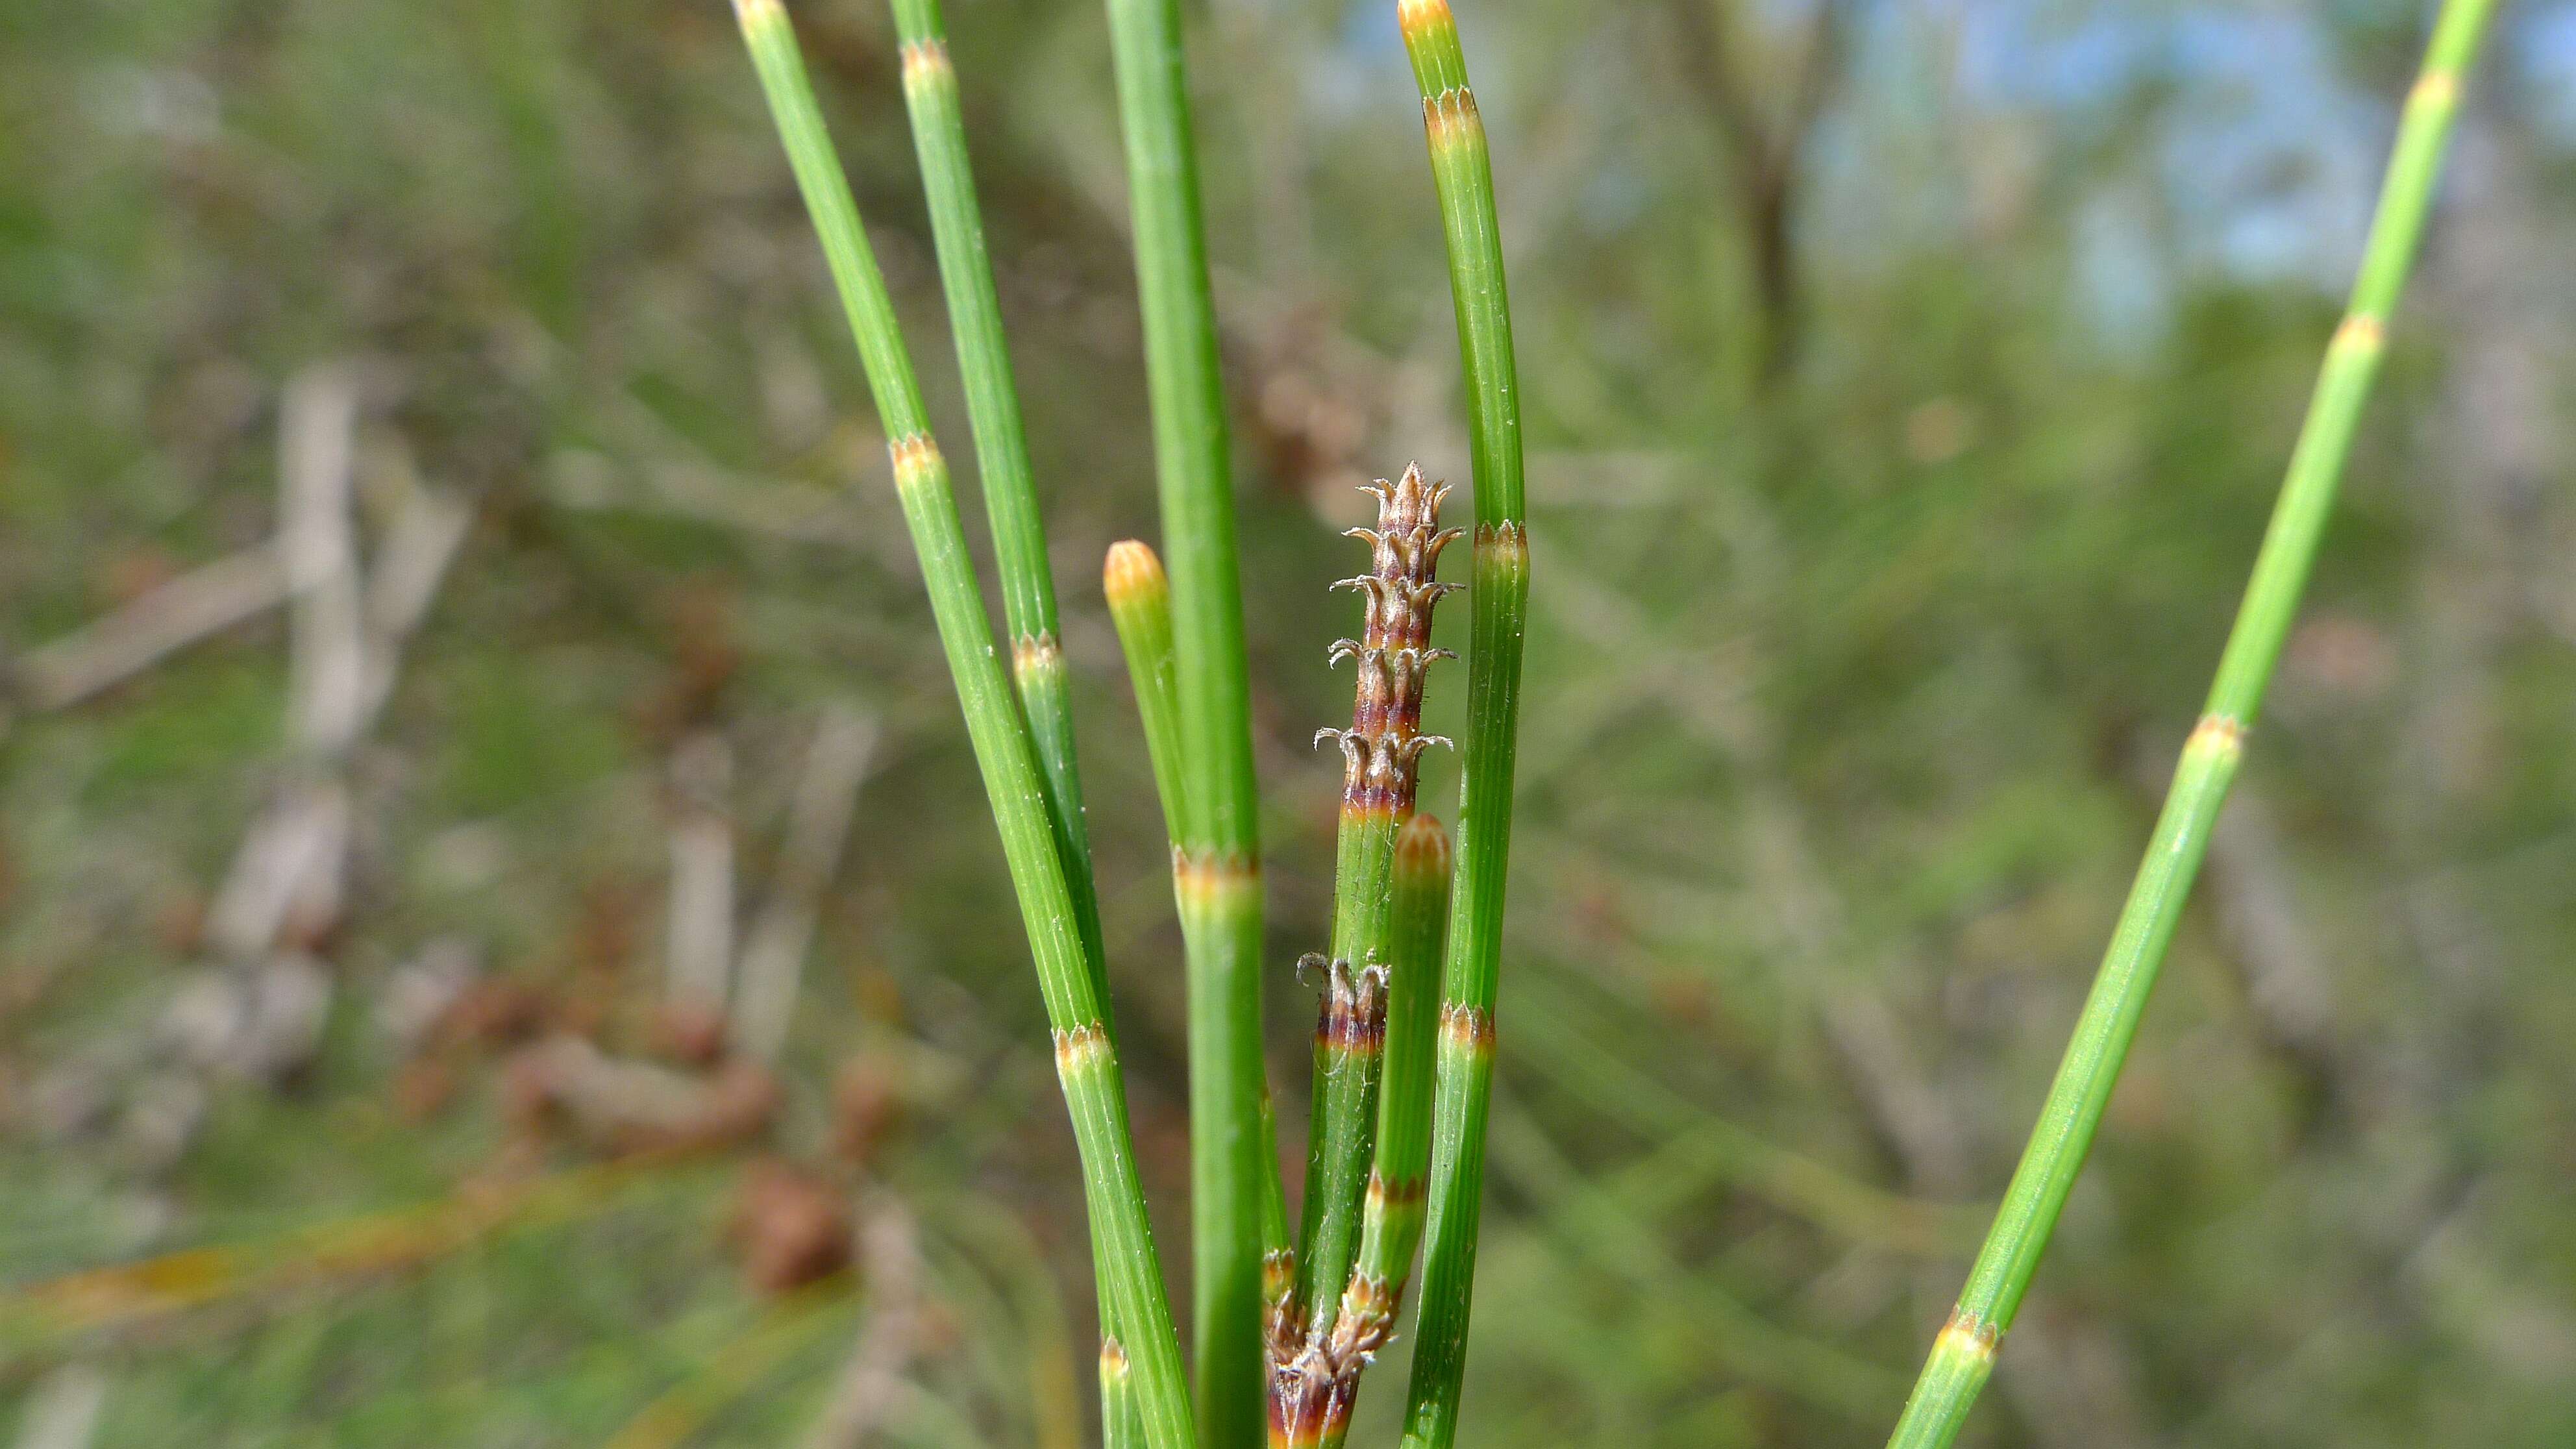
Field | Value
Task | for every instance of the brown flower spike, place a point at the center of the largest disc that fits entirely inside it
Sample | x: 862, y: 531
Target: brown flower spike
x: 1382, y: 750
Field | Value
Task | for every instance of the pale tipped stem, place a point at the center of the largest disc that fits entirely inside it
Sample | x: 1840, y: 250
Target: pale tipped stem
x: 1140, y: 605
x: 1391, y: 1215
x: 1122, y: 1426
x: 1392, y: 1226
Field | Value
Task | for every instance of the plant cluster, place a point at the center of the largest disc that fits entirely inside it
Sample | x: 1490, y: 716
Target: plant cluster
x: 1284, y: 1324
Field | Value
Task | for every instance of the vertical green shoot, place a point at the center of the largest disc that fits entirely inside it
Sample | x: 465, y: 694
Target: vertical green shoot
x: 1278, y: 1252
x: 1462, y: 175
x: 1002, y: 458
x: 1217, y: 862
x: 1964, y: 1353
x: 1001, y: 445
x: 1086, y: 1062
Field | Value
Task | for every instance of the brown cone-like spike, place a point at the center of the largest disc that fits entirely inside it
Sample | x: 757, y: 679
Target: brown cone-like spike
x: 1382, y: 750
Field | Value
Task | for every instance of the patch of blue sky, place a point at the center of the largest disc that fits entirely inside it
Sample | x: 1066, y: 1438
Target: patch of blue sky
x: 2541, y: 54
x: 2272, y: 161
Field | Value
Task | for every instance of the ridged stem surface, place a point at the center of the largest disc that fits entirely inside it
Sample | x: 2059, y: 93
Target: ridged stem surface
x: 1462, y: 175
x: 1217, y: 874
x: 1964, y: 1353
x: 1086, y: 1062
x: 1140, y: 603
x: 1121, y: 1425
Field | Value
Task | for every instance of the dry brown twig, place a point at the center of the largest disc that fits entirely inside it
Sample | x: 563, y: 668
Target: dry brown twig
x: 202, y: 602
x: 773, y: 951
x: 871, y: 1382
x: 698, y: 953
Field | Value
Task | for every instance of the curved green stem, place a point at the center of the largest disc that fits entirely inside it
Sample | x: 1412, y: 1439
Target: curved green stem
x: 1964, y: 1353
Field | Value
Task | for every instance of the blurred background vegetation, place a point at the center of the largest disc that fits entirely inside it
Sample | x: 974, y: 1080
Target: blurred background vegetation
x: 1907, y: 386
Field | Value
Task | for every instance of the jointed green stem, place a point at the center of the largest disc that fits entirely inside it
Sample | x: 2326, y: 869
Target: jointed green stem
x: 1001, y: 445
x: 1002, y: 457
x: 1392, y: 1226
x: 1140, y: 603
x: 1964, y: 1353
x: 1086, y: 1063
x: 1391, y: 1218
x: 1218, y: 858
x: 1462, y: 173
x: 1349, y: 1050
x: 1278, y: 1250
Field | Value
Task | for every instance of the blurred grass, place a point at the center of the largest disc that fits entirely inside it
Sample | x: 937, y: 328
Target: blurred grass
x: 1844, y: 692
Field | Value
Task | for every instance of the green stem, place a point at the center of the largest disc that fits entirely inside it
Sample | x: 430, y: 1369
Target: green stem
x: 1278, y: 1251
x: 1086, y: 1062
x: 1392, y: 1226
x: 1121, y: 1425
x: 1001, y: 445
x: 1350, y: 1048
x: 1462, y: 174
x: 1964, y: 1353
x: 1391, y: 1219
x: 1140, y: 604
x: 1002, y: 458
x: 1218, y: 859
